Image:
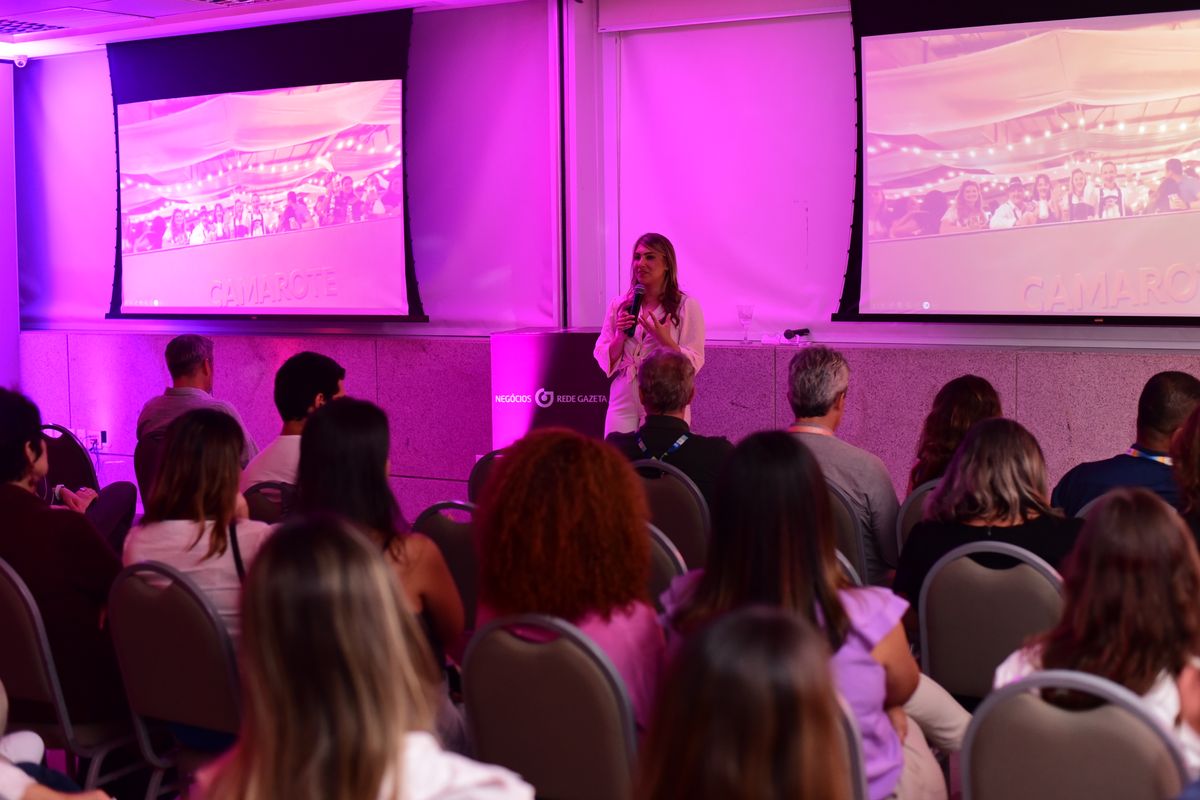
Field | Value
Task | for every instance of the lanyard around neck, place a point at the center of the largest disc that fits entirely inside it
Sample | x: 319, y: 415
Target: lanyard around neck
x: 646, y: 451
x: 1136, y: 453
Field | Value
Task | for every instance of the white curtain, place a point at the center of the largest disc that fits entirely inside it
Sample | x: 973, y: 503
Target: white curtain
x: 253, y: 123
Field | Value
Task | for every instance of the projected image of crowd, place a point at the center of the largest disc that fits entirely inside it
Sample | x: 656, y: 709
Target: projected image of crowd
x: 988, y: 204
x: 334, y: 200
x: 954, y: 142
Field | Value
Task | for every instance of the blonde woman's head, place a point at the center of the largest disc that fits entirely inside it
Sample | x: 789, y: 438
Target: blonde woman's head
x: 335, y: 672
x: 997, y: 475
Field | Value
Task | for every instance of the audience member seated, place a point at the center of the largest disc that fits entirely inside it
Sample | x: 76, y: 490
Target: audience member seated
x: 773, y: 544
x: 190, y: 362
x: 304, y: 383
x: 818, y: 378
x: 1166, y: 401
x: 1185, y: 463
x: 957, y: 406
x: 67, y: 567
x: 195, y: 519
x: 1130, y: 614
x: 754, y: 690
x: 666, y: 386
x: 994, y: 491
x: 337, y: 684
x: 562, y: 531
x: 344, y: 470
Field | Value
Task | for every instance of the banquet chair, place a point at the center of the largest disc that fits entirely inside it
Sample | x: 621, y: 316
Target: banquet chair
x: 1087, y: 507
x: 665, y: 565
x: 848, y: 569
x: 147, y: 454
x: 544, y: 701
x: 479, y: 474
x: 849, y: 531
x: 29, y: 675
x: 912, y: 511
x: 1020, y: 744
x: 71, y: 464
x: 972, y: 616
x: 177, y: 663
x: 855, y: 759
x: 677, y: 508
x: 453, y: 537
x: 270, y: 501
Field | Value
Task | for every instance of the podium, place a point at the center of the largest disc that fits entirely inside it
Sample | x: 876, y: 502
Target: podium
x: 546, y: 377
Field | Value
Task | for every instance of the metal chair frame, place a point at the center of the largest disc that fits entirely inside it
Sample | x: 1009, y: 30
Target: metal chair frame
x: 75, y: 749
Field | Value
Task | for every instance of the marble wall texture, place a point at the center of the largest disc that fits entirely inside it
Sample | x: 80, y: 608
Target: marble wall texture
x: 1080, y: 404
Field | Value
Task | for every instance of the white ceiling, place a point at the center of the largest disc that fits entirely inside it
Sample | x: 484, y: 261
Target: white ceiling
x: 41, y: 28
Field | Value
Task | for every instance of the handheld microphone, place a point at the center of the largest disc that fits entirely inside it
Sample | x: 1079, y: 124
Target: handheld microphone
x: 639, y: 292
x: 792, y: 333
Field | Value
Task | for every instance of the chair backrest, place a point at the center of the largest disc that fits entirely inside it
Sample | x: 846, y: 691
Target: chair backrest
x: 270, y: 501
x: 665, y: 564
x: 677, y: 508
x: 1087, y: 507
x: 848, y: 569
x: 176, y: 657
x: 147, y: 454
x: 1020, y: 745
x: 972, y: 617
x: 479, y: 474
x: 855, y: 760
x: 454, y: 538
x: 849, y: 531
x: 544, y: 701
x: 26, y: 664
x: 912, y: 511
x: 70, y: 462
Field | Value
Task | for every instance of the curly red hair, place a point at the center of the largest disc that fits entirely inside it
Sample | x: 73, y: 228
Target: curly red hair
x: 561, y: 529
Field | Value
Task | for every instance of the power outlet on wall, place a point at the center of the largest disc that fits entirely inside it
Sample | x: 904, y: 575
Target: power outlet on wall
x: 95, y: 441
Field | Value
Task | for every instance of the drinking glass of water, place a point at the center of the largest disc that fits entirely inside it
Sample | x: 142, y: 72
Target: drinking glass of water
x: 745, y: 313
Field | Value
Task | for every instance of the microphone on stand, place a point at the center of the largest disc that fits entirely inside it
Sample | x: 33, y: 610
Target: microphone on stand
x: 792, y: 333
x: 639, y: 292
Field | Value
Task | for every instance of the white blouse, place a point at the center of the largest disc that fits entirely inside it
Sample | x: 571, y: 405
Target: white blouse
x: 688, y: 334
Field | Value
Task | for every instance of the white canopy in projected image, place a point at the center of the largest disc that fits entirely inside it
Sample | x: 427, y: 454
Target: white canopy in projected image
x: 1038, y: 169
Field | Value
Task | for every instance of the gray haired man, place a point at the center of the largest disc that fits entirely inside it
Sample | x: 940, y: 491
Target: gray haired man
x: 818, y: 379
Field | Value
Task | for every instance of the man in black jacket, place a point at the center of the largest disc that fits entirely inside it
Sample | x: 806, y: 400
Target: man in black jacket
x: 666, y: 384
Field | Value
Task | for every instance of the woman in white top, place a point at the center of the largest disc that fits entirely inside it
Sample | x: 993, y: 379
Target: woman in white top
x: 1131, y: 612
x: 667, y: 319
x: 338, y: 684
x: 195, y: 518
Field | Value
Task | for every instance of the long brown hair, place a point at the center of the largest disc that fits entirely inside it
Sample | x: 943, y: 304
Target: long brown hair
x: 562, y: 530
x: 748, y: 713
x: 1131, y: 585
x: 331, y: 672
x: 1185, y: 457
x: 772, y: 539
x: 671, y: 298
x: 997, y: 474
x: 198, y: 475
x: 957, y: 406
